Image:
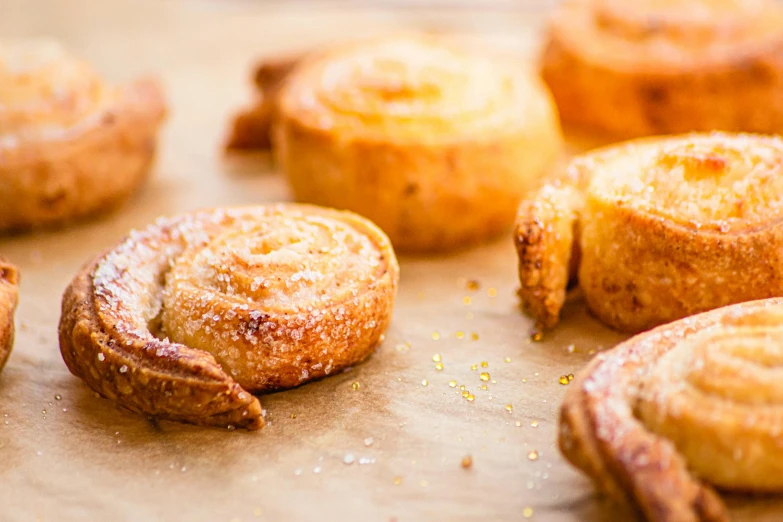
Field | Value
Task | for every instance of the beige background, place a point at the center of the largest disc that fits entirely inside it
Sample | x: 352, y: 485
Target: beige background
x: 79, y: 458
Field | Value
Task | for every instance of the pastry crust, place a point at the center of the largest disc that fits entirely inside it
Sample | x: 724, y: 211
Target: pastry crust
x: 545, y: 237
x: 70, y: 145
x: 185, y: 319
x: 433, y: 142
x: 699, y: 397
x: 666, y: 228
x: 638, y: 68
x: 9, y: 296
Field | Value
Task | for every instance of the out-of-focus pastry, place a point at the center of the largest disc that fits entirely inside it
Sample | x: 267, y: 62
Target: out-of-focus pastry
x: 435, y: 142
x: 636, y: 68
x: 184, y: 320
x: 657, y: 229
x: 691, y: 403
x: 70, y: 144
x: 251, y: 128
x: 9, y: 296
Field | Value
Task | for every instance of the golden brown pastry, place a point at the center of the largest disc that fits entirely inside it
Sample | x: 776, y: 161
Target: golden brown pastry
x: 184, y: 320
x: 642, y: 67
x: 658, y: 228
x: 435, y: 143
x: 252, y: 127
x: 70, y: 145
x: 690, y: 403
x: 9, y: 296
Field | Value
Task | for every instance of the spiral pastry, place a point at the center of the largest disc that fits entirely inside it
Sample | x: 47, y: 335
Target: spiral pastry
x: 436, y: 144
x: 186, y: 319
x: 70, y: 145
x: 667, y: 66
x: 695, y: 400
x: 657, y: 229
x: 9, y: 296
x: 251, y: 129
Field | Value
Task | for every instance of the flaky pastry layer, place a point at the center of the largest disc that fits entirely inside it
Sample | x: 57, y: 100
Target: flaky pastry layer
x: 691, y: 403
x: 9, y: 296
x: 657, y: 229
x: 185, y: 319
x: 70, y: 145
x: 645, y: 67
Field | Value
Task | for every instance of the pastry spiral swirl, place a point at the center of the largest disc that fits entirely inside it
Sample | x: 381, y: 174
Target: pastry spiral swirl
x: 9, y: 296
x: 436, y: 144
x: 658, y: 229
x: 667, y: 66
x: 695, y: 398
x: 185, y: 319
x: 70, y: 145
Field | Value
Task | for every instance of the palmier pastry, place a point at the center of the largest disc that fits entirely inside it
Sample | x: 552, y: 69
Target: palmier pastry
x: 184, y: 320
x: 70, y: 145
x: 691, y: 401
x: 635, y: 68
x: 252, y: 128
x: 9, y: 282
x: 658, y: 229
x: 435, y: 143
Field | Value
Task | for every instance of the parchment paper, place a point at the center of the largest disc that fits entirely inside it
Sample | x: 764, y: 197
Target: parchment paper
x: 391, y: 450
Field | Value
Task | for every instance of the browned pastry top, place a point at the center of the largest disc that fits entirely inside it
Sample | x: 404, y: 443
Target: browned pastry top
x: 691, y: 403
x: 183, y: 319
x: 668, y: 35
x: 719, y: 182
x: 412, y: 88
x: 44, y: 90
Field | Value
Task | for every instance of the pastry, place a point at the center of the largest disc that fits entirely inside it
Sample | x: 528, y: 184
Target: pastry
x: 691, y: 403
x: 252, y: 127
x: 637, y: 68
x: 9, y: 283
x: 184, y: 320
x: 70, y: 145
x: 434, y: 142
x: 657, y: 229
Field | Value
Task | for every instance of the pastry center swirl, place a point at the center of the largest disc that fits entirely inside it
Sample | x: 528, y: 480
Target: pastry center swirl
x: 701, y: 161
x: 276, y: 263
x: 42, y: 88
x: 744, y: 369
x: 738, y: 363
x: 403, y: 79
x: 719, y: 182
